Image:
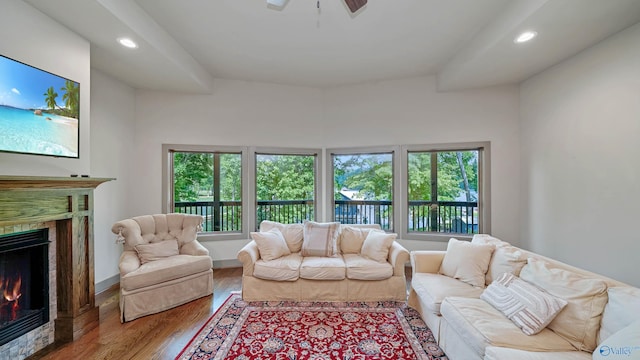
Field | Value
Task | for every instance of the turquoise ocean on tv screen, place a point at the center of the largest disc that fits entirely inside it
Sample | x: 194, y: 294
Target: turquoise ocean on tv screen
x: 24, y: 131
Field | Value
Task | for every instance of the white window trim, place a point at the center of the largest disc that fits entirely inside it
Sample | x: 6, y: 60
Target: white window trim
x: 484, y: 187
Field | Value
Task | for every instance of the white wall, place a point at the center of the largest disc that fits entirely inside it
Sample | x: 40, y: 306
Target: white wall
x: 580, y: 148
x: 106, y: 120
x: 31, y: 37
x: 383, y: 113
x: 112, y: 139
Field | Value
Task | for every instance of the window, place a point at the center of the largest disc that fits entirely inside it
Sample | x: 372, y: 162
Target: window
x: 445, y: 190
x: 285, y: 187
x: 208, y: 184
x: 363, y: 187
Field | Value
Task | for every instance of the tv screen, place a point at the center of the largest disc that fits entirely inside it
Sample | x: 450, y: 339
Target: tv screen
x: 39, y: 111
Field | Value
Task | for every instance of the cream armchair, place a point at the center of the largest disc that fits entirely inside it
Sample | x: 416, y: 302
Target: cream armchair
x: 162, y: 265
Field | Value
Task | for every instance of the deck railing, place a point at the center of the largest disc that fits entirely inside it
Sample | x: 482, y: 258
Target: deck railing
x: 423, y: 216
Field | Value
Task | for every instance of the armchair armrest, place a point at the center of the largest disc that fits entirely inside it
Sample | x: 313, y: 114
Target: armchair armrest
x: 129, y: 261
x: 194, y: 248
x: 248, y: 255
x: 426, y: 261
x: 398, y: 256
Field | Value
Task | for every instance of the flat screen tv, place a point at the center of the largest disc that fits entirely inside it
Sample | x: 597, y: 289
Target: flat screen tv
x: 39, y: 111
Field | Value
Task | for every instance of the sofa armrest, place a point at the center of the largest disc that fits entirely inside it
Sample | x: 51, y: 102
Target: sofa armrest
x: 129, y: 261
x: 398, y: 257
x: 194, y: 248
x: 426, y: 261
x: 248, y: 255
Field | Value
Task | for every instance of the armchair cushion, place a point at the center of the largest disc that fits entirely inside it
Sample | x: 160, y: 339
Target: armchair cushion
x: 161, y: 271
x: 157, y: 251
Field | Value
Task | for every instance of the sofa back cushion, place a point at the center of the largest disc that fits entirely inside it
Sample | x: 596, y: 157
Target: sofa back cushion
x: 292, y: 233
x: 466, y: 261
x: 621, y: 310
x: 352, y: 237
x: 320, y: 239
x: 579, y: 322
x: 505, y: 259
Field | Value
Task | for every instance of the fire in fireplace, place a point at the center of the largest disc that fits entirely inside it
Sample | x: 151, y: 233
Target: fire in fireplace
x: 24, y: 283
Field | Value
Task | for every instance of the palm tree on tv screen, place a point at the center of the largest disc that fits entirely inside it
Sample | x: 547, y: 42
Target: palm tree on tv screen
x: 70, y: 98
x: 50, y: 98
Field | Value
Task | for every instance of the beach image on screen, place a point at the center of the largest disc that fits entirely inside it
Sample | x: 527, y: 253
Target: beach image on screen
x: 39, y: 111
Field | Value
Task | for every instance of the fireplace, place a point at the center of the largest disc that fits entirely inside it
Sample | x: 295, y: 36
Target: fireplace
x: 24, y: 283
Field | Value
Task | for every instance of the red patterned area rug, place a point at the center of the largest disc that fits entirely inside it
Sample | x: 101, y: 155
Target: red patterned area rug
x: 287, y: 330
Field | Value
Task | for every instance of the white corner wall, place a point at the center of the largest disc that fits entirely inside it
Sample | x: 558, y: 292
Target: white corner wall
x: 31, y: 37
x: 580, y: 136
x: 112, y: 139
x: 406, y: 111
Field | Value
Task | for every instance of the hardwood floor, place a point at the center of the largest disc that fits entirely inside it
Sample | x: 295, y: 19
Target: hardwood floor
x: 158, y: 336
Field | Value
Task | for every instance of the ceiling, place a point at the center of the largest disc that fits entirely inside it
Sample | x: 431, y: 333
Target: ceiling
x: 184, y: 45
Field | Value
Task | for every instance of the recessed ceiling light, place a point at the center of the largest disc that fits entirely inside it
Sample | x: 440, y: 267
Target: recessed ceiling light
x: 126, y: 42
x: 525, y: 36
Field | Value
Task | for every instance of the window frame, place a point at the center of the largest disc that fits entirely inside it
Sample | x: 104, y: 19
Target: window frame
x: 396, y: 178
x: 253, y: 165
x: 168, y: 193
x: 484, y: 189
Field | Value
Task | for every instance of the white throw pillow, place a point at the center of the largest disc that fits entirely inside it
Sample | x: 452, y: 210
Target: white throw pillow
x: 271, y: 244
x: 320, y: 239
x: 376, y: 245
x: 488, y: 239
x: 156, y: 251
x: 526, y: 305
x: 292, y: 233
x: 466, y: 262
x: 625, y: 344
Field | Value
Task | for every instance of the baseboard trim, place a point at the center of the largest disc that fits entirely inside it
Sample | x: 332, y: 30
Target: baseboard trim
x: 223, y: 264
x: 107, y: 283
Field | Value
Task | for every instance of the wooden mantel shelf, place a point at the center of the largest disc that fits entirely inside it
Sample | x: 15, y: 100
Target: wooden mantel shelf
x: 46, y: 182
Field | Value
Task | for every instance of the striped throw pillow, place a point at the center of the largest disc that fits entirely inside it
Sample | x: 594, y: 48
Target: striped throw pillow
x: 527, y: 306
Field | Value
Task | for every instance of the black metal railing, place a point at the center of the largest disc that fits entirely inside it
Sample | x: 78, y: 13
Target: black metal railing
x: 460, y: 217
x: 364, y: 212
x: 285, y: 211
x: 219, y: 216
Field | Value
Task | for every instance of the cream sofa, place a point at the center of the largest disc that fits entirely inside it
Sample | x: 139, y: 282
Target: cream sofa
x: 349, y: 276
x: 162, y: 265
x: 467, y: 327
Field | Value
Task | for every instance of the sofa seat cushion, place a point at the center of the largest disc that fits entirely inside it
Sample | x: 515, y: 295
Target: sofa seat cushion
x: 285, y: 268
x: 500, y: 353
x: 433, y: 288
x: 361, y: 268
x: 163, y: 270
x: 322, y: 268
x: 481, y: 325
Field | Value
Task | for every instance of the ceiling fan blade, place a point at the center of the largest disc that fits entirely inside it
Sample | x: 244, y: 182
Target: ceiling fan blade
x: 355, y: 5
x: 278, y: 3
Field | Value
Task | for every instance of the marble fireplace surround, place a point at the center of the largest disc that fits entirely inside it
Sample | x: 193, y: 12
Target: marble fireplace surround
x: 65, y: 206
